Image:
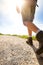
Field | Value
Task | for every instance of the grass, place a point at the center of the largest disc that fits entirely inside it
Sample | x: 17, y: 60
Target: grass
x: 24, y: 36
x: 8, y: 34
x: 21, y: 36
x: 1, y: 34
x: 33, y: 37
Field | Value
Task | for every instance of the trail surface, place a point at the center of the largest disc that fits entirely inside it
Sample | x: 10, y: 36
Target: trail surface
x: 15, y: 51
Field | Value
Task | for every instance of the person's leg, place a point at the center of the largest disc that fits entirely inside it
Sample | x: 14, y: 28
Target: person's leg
x: 39, y: 35
x: 32, y: 27
x: 29, y: 32
x: 29, y: 41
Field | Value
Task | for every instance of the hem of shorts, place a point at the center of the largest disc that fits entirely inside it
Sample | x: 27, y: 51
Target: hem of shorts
x: 27, y: 20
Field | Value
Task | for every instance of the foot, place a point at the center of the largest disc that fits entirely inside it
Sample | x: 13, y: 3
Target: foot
x: 29, y: 41
x: 41, y: 58
x: 39, y: 37
x: 40, y: 51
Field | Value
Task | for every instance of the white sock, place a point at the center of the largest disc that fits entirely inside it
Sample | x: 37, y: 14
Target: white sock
x: 37, y: 31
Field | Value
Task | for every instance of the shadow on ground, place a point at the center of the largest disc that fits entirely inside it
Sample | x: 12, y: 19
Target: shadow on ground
x: 39, y: 58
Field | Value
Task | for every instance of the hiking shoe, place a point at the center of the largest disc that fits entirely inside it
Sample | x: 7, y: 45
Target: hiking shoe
x: 39, y: 37
x: 29, y: 41
x: 40, y: 50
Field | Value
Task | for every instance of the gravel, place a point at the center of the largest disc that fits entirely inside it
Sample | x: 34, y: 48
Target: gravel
x: 15, y: 51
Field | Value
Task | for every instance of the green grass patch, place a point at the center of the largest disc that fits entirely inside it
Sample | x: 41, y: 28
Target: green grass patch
x: 24, y: 36
x: 1, y: 34
x: 15, y: 35
x: 21, y: 36
x: 33, y: 37
x: 8, y: 34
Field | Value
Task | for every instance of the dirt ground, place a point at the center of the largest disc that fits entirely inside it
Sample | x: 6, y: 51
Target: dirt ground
x: 15, y: 51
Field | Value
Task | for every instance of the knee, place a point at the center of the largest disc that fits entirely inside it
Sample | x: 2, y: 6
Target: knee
x: 25, y: 23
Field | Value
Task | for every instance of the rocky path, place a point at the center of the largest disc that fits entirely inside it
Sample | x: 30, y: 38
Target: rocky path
x: 15, y: 51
